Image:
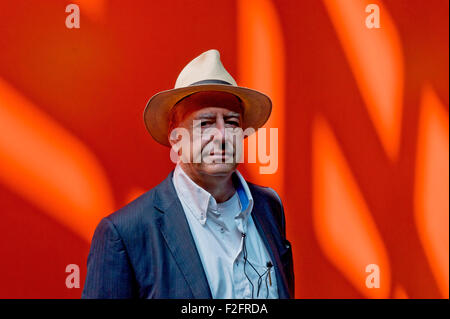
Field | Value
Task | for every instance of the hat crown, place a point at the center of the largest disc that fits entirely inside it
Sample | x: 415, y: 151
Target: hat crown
x: 207, y: 66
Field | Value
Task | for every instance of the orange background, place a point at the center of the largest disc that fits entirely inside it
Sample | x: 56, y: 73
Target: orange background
x: 362, y: 118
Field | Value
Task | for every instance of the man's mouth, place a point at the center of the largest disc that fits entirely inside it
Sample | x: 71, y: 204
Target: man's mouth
x: 223, y: 153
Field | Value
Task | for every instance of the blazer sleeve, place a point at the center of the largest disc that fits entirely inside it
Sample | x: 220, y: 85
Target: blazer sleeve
x: 109, y: 272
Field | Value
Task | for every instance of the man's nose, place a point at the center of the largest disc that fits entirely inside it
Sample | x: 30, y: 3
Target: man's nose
x: 220, y: 126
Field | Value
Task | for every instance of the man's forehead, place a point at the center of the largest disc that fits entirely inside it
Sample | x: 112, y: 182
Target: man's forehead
x: 211, y: 112
x: 211, y: 99
x: 209, y: 103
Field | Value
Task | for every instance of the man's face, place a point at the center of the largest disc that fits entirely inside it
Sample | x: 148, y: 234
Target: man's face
x: 207, y: 116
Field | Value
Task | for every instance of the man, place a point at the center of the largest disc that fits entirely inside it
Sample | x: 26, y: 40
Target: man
x: 204, y: 232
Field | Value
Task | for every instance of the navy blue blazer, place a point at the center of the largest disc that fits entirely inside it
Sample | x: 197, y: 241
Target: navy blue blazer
x: 146, y: 249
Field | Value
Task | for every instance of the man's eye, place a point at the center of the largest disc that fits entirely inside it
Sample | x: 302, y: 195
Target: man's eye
x: 233, y: 123
x: 204, y: 123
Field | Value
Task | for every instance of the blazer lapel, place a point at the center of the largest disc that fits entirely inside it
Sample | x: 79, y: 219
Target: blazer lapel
x: 177, y: 234
x: 263, y: 219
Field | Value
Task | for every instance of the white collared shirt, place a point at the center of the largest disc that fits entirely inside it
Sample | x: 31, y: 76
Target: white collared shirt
x: 217, y: 230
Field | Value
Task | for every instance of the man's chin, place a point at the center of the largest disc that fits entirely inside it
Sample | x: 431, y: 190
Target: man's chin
x: 219, y: 169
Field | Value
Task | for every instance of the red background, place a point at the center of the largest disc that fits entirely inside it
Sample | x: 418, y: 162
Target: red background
x: 95, y: 81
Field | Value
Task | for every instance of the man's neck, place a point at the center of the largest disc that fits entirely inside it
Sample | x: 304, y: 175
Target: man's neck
x: 220, y: 187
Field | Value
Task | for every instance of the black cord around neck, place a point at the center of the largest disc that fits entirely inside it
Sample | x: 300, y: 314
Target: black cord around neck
x: 260, y: 277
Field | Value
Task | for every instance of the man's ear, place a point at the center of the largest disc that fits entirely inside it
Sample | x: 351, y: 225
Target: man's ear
x: 179, y: 140
x: 172, y: 136
x: 173, y: 140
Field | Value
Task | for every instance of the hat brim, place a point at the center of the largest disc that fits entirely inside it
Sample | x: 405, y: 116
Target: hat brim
x: 257, y: 107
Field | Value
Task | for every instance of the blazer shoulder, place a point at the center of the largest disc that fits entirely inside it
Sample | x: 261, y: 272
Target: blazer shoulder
x: 141, y: 214
x: 137, y: 214
x: 266, y: 192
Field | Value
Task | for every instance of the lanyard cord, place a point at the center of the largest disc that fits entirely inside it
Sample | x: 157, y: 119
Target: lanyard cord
x: 260, y: 277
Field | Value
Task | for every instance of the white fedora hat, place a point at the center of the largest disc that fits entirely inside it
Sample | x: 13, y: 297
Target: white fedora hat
x: 204, y: 73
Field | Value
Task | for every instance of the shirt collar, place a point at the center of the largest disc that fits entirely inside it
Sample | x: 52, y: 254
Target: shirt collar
x: 199, y: 201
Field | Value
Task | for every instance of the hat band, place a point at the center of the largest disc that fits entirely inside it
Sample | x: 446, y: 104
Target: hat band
x: 210, y: 82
